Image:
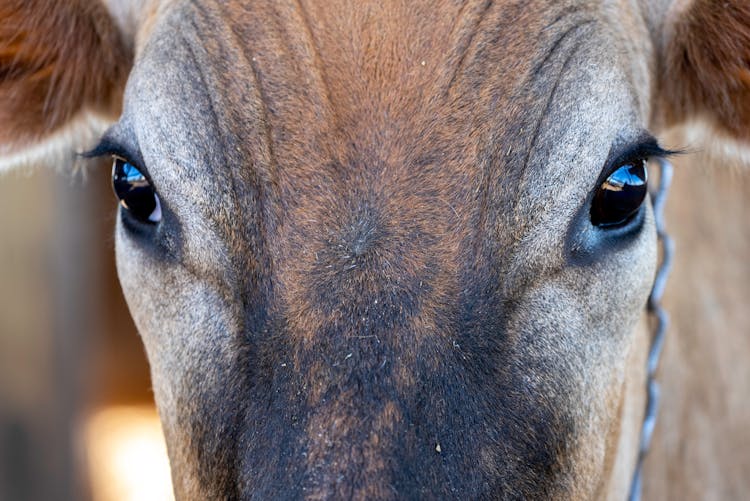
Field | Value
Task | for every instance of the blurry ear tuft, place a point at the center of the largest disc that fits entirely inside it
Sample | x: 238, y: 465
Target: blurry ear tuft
x: 61, y: 62
x: 706, y: 71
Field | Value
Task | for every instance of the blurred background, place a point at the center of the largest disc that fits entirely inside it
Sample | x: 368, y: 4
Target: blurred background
x: 77, y: 419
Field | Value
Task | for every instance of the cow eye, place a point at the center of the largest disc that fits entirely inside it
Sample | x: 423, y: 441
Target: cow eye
x: 135, y: 192
x: 620, y: 196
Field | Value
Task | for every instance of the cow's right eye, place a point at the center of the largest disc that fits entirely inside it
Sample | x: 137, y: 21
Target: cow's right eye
x: 621, y: 195
x: 135, y: 192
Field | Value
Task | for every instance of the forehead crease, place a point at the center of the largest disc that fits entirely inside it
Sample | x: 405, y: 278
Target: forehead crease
x: 305, y: 85
x: 337, y: 60
x: 300, y: 86
x: 340, y: 87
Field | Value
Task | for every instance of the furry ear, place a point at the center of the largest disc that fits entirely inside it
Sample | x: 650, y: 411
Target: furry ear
x: 63, y: 65
x: 705, y: 70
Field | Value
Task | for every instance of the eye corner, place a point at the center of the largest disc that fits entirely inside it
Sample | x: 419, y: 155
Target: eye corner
x: 102, y: 149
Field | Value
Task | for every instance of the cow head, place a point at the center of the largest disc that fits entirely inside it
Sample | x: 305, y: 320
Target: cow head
x: 382, y: 248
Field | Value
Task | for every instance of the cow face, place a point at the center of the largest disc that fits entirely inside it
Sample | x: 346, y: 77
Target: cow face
x: 394, y: 249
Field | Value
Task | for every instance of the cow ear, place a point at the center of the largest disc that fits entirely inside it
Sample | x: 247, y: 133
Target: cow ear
x: 63, y: 65
x: 705, y: 75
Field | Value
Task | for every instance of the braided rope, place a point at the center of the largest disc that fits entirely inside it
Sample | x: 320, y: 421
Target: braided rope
x: 661, y: 319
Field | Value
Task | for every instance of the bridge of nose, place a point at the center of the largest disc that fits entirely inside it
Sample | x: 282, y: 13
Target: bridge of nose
x: 374, y: 143
x: 366, y: 300
x: 378, y: 183
x: 374, y: 253
x: 375, y: 203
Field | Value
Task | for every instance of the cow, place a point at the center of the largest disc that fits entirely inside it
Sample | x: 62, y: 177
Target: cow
x: 392, y: 249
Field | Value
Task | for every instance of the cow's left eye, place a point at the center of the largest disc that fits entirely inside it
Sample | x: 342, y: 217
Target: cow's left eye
x: 135, y: 192
x: 620, y: 196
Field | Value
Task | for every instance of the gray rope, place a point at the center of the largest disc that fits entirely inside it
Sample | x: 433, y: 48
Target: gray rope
x: 661, y: 320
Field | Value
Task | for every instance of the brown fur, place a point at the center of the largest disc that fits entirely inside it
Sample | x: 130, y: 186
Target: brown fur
x: 57, y: 57
x: 706, y: 65
x: 365, y: 126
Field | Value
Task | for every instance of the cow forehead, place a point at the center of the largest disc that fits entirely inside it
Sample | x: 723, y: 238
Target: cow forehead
x: 312, y: 86
x: 375, y: 65
x: 330, y: 100
x: 385, y: 73
x: 338, y: 117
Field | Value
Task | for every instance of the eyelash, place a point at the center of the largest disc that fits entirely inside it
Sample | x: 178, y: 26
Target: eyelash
x: 108, y: 148
x: 647, y: 149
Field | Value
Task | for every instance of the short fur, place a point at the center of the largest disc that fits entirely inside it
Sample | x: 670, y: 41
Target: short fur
x: 57, y: 58
x: 376, y: 276
x: 706, y: 65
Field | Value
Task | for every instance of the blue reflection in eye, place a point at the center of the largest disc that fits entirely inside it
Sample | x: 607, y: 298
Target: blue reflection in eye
x: 627, y: 175
x: 135, y: 192
x: 131, y: 173
x: 620, y: 196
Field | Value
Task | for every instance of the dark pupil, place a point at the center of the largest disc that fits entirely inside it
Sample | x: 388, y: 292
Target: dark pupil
x: 133, y: 190
x: 621, y: 195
